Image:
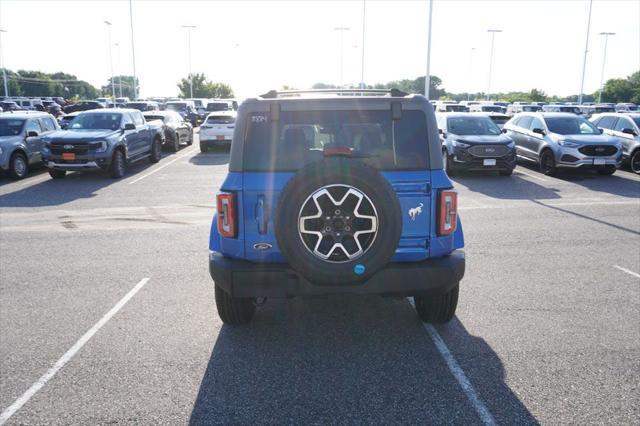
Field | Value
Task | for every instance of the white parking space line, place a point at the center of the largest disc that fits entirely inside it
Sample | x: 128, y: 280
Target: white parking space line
x: 64, y: 359
x: 519, y: 171
x: 184, y: 154
x: 481, y: 409
x: 523, y: 203
x: 630, y: 272
x: 35, y: 180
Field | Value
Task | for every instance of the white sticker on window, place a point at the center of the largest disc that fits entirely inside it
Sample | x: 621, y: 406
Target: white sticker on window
x: 258, y: 118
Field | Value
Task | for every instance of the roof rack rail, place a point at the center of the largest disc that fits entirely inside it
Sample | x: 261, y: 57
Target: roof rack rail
x: 272, y: 94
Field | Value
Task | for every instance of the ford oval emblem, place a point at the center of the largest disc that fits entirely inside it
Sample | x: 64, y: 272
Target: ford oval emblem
x: 262, y: 246
x: 68, y: 146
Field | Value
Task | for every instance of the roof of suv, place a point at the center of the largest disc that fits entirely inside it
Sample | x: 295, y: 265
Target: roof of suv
x: 25, y: 114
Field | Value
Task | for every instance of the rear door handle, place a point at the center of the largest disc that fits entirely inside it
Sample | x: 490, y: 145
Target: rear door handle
x: 261, y: 216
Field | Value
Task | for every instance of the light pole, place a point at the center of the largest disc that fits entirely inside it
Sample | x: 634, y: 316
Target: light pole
x: 470, y: 73
x: 189, y: 28
x: 133, y: 52
x: 342, y: 30
x: 604, y: 59
x: 364, y: 11
x: 586, y: 50
x: 4, y: 71
x: 119, y: 70
x: 427, y: 79
x: 493, y: 36
x: 113, y: 83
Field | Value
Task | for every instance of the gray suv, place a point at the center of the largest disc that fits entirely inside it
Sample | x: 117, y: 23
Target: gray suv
x: 563, y: 140
x: 625, y: 127
x: 20, y: 140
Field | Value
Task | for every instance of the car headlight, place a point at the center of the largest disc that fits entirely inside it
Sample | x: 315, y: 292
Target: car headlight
x: 102, y: 147
x: 460, y: 144
x: 568, y: 144
x: 1, y: 150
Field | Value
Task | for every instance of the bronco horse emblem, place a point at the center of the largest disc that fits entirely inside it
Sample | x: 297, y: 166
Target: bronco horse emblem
x: 413, y: 212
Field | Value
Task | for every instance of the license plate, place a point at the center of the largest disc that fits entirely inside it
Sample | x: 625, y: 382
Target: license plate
x: 220, y: 137
x: 599, y: 162
x: 489, y: 162
x: 68, y: 156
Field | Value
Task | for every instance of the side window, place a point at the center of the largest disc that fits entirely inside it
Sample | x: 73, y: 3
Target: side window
x: 48, y: 124
x: 33, y: 126
x: 138, y: 119
x: 608, y: 122
x: 524, y: 122
x: 126, y: 119
x: 623, y: 123
x: 536, y: 123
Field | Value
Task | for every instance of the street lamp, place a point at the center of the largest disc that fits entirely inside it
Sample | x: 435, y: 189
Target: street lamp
x: 133, y: 52
x: 427, y: 80
x: 586, y: 50
x: 493, y: 36
x: 4, y: 71
x: 470, y: 73
x: 604, y: 59
x: 113, y: 83
x: 364, y: 11
x: 189, y: 28
x: 119, y: 70
x: 342, y: 30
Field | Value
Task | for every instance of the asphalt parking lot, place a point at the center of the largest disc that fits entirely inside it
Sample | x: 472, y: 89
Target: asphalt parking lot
x: 107, y: 312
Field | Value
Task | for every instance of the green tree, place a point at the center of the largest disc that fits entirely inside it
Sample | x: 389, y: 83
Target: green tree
x: 203, y: 88
x: 617, y: 90
x: 536, y: 95
x: 127, y: 86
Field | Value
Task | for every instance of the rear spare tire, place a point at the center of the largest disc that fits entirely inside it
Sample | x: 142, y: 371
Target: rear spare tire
x: 338, y: 221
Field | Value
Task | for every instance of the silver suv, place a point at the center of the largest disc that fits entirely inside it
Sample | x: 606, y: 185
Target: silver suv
x: 625, y: 127
x: 555, y: 140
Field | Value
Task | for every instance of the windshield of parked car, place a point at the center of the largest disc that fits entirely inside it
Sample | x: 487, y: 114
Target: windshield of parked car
x: 154, y: 117
x: 571, y: 126
x: 599, y: 110
x: 141, y: 106
x: 11, y: 126
x: 456, y: 108
x: 531, y: 108
x: 302, y: 137
x: 97, y: 121
x: 468, y: 126
x: 178, y: 106
x: 221, y: 119
x: 500, y: 120
x: 636, y: 120
x: 491, y: 108
x: 218, y: 106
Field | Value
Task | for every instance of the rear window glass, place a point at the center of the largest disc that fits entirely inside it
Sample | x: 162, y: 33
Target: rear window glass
x: 221, y: 119
x: 492, y: 108
x: 154, y: 117
x: 218, y: 106
x: 300, y: 138
x: 456, y: 108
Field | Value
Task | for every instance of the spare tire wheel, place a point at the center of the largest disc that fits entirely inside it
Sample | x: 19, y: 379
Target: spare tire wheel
x: 338, y: 221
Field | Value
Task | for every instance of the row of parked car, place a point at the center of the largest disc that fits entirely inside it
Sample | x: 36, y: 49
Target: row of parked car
x: 510, y: 109
x: 552, y: 140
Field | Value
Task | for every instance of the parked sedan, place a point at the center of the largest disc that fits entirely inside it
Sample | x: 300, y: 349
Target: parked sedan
x: 474, y: 142
x: 176, y: 129
x: 625, y: 127
x: 217, y: 130
x: 563, y: 140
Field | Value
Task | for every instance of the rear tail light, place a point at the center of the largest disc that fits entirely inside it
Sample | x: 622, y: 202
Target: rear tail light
x: 227, y: 215
x: 447, y: 212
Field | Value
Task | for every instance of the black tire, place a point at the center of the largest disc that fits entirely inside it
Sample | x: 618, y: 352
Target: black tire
x: 508, y: 172
x: 446, y: 163
x: 608, y: 171
x: 437, y: 309
x: 18, y: 166
x: 175, y: 146
x: 57, y: 174
x: 634, y: 161
x: 547, y: 163
x: 190, y: 141
x: 116, y: 169
x: 234, y: 310
x: 156, y: 151
x: 203, y: 147
x: 382, y: 200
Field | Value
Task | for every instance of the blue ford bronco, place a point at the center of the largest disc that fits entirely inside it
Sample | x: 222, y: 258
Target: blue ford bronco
x: 331, y: 192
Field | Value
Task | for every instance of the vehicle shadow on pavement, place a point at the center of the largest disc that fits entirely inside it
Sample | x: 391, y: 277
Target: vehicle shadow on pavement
x: 512, y: 187
x: 210, y: 159
x: 344, y: 360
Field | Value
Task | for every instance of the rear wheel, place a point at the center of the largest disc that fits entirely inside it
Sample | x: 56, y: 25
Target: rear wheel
x: 437, y: 309
x: 156, y: 151
x: 234, y: 310
x: 57, y: 174
x: 175, y: 146
x: 18, y: 166
x: 634, y: 161
x: 116, y: 170
x: 548, y: 163
x: 190, y: 141
x: 203, y: 147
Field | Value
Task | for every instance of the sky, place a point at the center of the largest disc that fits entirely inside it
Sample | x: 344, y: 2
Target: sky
x: 256, y: 46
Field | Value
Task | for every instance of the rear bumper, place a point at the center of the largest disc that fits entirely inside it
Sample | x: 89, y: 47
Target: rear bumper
x: 241, y: 278
x: 216, y: 142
